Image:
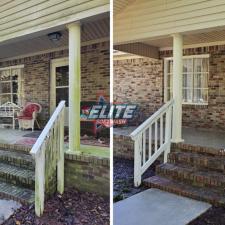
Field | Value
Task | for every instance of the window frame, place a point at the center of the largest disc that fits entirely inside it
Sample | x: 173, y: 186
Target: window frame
x: 10, y: 82
x: 166, y: 59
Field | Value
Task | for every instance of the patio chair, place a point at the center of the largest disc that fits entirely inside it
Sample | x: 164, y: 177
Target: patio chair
x: 28, y: 116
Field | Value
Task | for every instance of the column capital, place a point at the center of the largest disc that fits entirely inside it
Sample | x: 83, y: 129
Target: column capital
x: 177, y: 35
x: 74, y: 24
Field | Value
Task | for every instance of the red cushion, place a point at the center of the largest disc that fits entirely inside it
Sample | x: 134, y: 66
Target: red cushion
x: 29, y: 109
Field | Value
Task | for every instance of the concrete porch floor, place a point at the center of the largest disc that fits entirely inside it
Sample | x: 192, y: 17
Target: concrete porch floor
x: 205, y: 138
x: 27, y: 138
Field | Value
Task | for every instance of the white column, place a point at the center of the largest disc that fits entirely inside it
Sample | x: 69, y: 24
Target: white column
x: 177, y: 87
x: 74, y: 85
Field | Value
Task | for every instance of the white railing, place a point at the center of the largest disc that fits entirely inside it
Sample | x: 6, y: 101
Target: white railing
x: 151, y: 139
x: 48, y: 152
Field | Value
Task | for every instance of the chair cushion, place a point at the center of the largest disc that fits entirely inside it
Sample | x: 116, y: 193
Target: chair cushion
x: 29, y: 109
x: 25, y: 118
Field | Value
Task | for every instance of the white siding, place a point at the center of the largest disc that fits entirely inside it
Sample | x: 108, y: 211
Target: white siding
x: 21, y: 17
x: 157, y: 18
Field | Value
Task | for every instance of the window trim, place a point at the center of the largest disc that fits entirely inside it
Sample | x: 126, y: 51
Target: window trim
x: 166, y: 59
x: 20, y: 66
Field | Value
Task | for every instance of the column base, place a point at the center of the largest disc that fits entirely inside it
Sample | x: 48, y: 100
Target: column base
x: 177, y: 140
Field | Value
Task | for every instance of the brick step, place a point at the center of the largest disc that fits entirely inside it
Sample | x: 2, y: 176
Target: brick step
x: 216, y: 163
x: 181, y: 147
x: 179, y: 188
x: 192, y: 176
x: 23, y: 195
x: 17, y: 176
x: 15, y: 147
x: 15, y: 158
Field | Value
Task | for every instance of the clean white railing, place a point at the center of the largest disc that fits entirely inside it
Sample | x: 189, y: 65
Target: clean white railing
x: 151, y: 139
x: 48, y: 152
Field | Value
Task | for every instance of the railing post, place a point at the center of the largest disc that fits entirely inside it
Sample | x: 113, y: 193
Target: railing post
x: 137, y: 161
x: 40, y: 182
x: 168, y: 133
x: 60, y: 164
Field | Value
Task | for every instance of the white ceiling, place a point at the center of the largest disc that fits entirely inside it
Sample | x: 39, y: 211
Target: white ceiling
x: 91, y: 30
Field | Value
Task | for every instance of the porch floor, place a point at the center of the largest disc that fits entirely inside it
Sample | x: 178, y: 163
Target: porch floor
x: 193, y: 136
x: 28, y: 138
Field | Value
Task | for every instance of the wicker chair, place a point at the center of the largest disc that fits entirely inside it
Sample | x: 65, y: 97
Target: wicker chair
x: 28, y: 116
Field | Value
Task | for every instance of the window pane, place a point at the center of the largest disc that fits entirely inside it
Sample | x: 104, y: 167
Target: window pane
x: 5, y: 98
x: 197, y: 65
x: 187, y: 66
x: 62, y: 76
x: 62, y: 94
x: 187, y: 80
x: 200, y: 96
x: 205, y: 65
x: 5, y: 75
x: 15, y: 86
x: 15, y: 99
x: 5, y: 87
x: 187, y: 95
x: 201, y: 80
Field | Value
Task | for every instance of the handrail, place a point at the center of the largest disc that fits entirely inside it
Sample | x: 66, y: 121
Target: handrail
x: 151, y: 139
x: 48, y: 152
x: 151, y: 119
x: 45, y: 132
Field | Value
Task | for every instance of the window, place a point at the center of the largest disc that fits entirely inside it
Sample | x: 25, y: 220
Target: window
x: 195, y: 79
x: 11, y: 85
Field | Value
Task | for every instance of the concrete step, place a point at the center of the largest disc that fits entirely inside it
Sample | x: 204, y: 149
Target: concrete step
x: 215, y: 163
x: 182, y: 147
x: 199, y: 193
x: 192, y: 176
x: 23, y: 195
x: 16, y: 158
x: 17, y: 176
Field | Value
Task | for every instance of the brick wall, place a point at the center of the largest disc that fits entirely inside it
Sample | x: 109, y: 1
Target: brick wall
x: 87, y: 173
x: 94, y: 77
x: 139, y: 81
x: 211, y: 116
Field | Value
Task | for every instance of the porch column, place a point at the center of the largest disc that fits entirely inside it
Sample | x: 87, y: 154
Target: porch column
x: 177, y: 87
x: 74, y: 86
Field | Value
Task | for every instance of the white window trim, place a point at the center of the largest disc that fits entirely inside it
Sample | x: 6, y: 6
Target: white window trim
x: 165, y: 78
x: 21, y: 66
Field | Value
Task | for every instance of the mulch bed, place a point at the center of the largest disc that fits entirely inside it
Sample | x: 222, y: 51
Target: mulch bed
x: 214, y: 216
x: 72, y: 208
x: 123, y: 178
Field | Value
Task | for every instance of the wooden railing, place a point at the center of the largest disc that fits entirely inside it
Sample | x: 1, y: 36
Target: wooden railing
x: 48, y: 152
x: 151, y: 139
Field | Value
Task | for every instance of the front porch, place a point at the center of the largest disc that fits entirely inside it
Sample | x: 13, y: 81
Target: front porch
x: 192, y: 136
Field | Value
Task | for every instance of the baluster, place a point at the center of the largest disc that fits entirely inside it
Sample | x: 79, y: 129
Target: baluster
x: 150, y: 142
x: 60, y: 165
x: 144, y: 148
x: 161, y: 130
x: 156, y: 135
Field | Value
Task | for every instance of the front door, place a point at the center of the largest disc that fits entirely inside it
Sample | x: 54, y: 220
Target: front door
x: 60, y: 85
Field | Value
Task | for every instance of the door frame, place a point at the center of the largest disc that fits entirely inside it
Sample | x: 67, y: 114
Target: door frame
x: 55, y: 63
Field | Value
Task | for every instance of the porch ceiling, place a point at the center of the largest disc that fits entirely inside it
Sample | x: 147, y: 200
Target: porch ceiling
x: 91, y: 30
x: 194, y: 39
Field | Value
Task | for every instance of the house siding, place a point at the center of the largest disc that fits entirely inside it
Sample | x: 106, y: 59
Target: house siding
x: 149, y: 19
x: 21, y: 17
x: 94, y: 75
x: 143, y: 84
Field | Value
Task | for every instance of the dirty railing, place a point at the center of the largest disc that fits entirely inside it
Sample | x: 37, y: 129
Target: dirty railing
x: 151, y: 139
x: 48, y: 152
